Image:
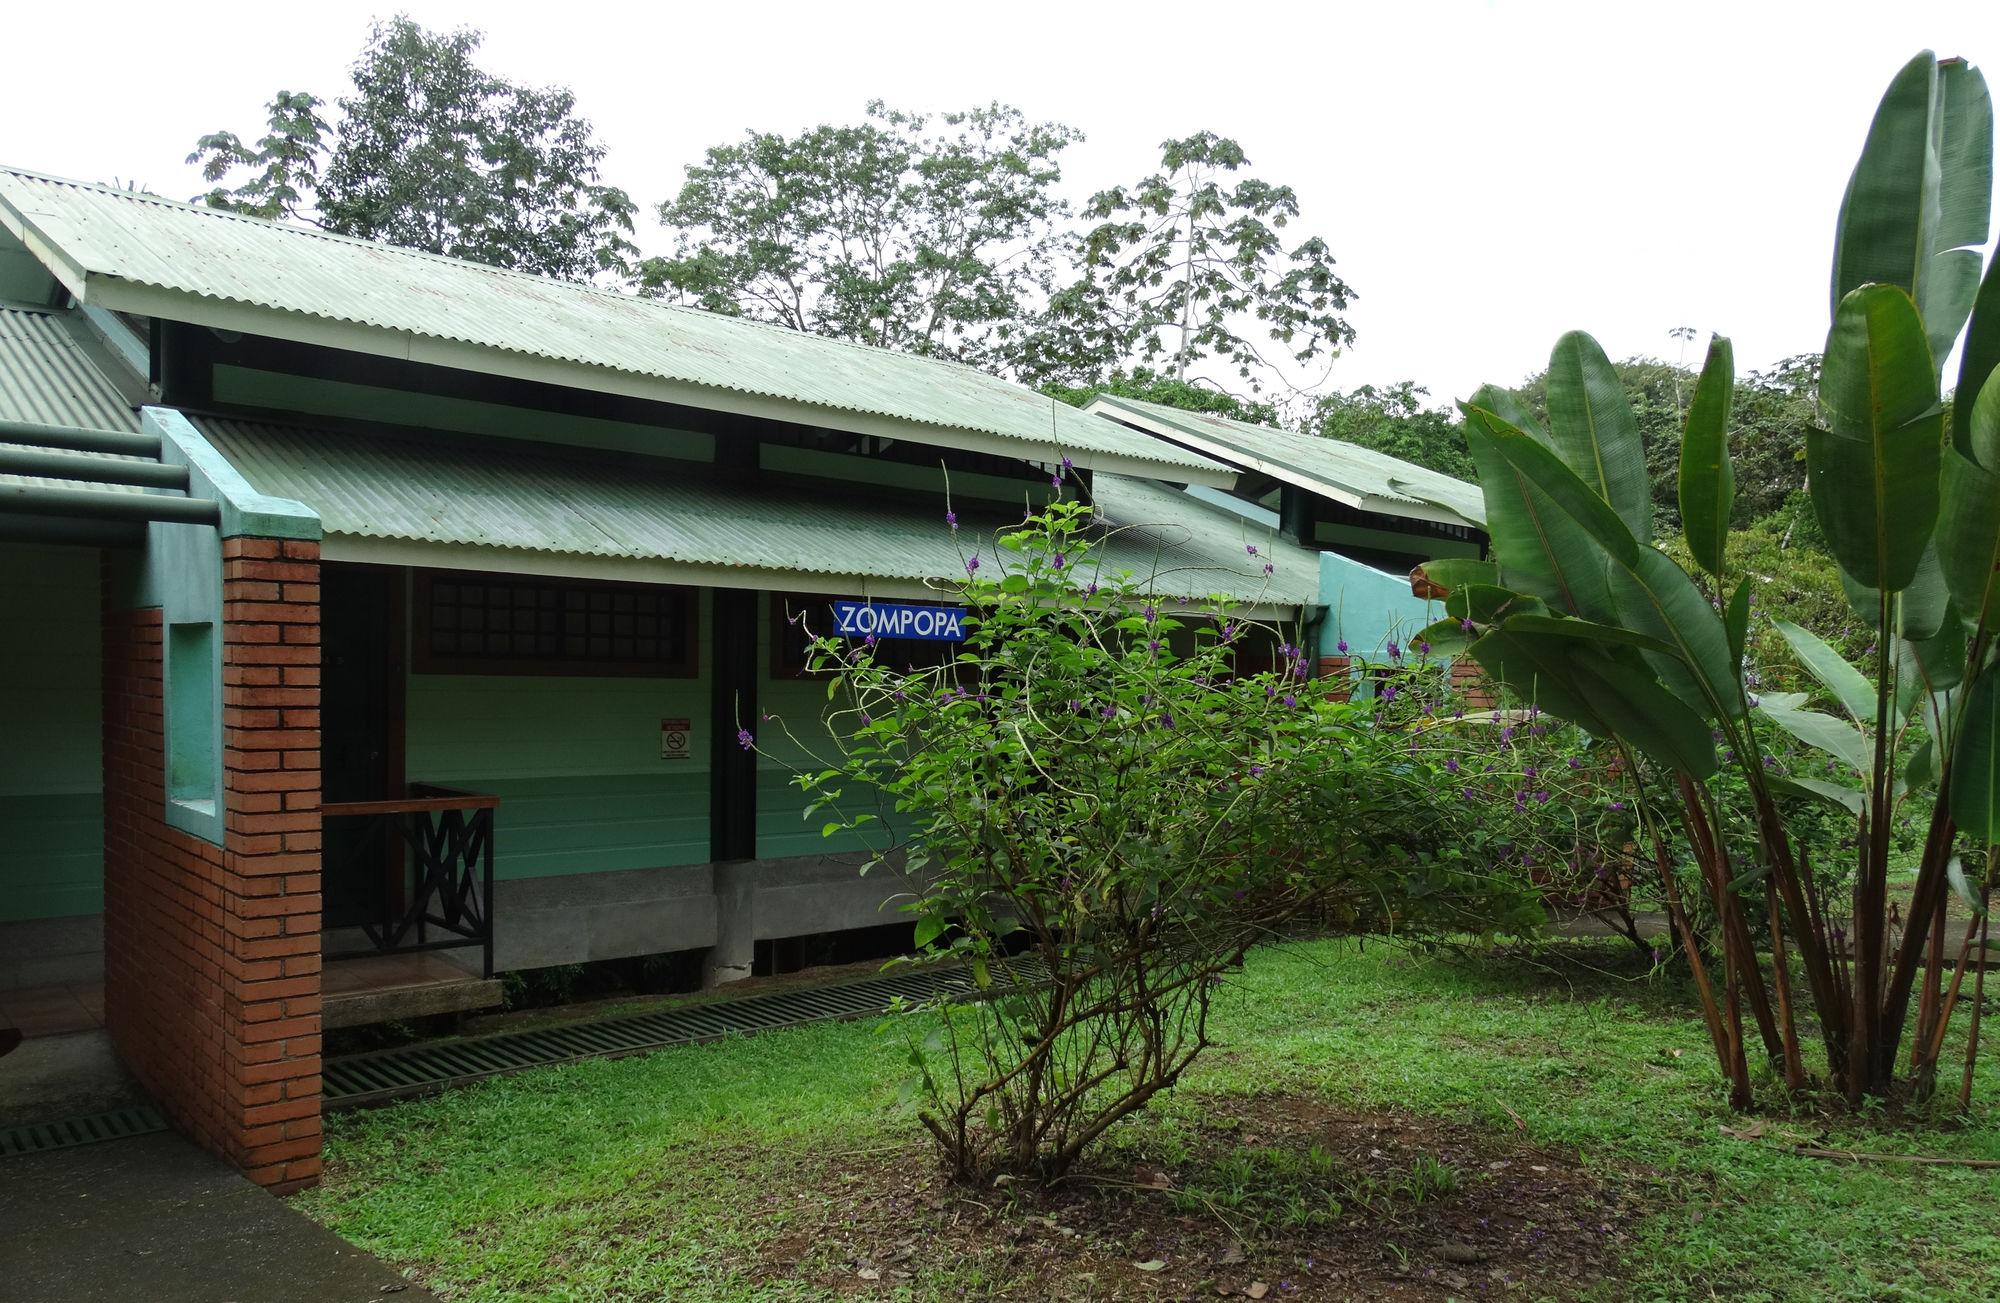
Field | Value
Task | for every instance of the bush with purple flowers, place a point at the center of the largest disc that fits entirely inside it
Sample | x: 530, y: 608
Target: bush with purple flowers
x: 1096, y: 786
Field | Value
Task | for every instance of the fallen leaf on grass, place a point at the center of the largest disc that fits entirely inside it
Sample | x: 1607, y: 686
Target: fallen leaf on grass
x: 1152, y: 1264
x: 1258, y: 1289
x: 1232, y: 1253
x: 1754, y: 1131
x: 869, y: 1273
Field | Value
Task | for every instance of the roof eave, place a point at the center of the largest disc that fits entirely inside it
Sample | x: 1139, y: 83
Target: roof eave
x: 118, y: 294
x: 1195, y: 441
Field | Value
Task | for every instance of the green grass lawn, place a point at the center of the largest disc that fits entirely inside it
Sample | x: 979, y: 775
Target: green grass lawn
x: 703, y: 1173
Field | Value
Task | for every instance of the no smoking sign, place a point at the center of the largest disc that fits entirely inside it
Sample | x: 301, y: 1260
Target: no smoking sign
x: 676, y: 739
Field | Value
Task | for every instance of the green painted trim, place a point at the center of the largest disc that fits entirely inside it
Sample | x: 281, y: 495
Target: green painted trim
x: 279, y: 392
x: 818, y: 466
x: 245, y: 511
x: 1388, y: 540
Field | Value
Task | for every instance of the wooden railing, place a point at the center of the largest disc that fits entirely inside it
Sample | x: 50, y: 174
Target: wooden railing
x: 442, y: 898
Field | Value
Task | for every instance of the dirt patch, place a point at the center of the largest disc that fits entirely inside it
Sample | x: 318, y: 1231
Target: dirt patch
x: 1274, y: 1198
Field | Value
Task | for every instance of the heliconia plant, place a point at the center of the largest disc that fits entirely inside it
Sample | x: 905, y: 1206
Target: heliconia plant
x: 1581, y: 613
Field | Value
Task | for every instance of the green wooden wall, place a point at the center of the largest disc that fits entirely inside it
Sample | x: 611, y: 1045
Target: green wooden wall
x: 51, y: 772
x: 576, y: 763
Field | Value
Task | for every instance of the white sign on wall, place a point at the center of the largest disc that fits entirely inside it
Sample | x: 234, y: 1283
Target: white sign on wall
x: 676, y: 739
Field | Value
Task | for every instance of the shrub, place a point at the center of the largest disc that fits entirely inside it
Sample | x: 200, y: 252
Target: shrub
x: 1092, y: 783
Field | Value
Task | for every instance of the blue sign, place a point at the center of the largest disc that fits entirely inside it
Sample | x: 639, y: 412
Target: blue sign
x: 853, y: 618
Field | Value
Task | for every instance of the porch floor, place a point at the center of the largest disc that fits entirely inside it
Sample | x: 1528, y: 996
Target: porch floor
x: 390, y: 988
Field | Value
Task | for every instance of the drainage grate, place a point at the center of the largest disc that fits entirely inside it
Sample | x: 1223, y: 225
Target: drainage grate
x: 69, y: 1132
x: 381, y: 1075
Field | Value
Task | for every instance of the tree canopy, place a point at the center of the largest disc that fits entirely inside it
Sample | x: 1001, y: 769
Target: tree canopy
x: 432, y: 152
x: 934, y: 235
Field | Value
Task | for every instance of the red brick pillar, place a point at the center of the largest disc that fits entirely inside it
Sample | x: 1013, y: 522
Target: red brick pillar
x: 1472, y: 684
x: 1338, y: 672
x: 212, y: 953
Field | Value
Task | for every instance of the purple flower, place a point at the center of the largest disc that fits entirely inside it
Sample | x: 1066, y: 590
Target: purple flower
x: 1529, y: 771
x: 1256, y: 771
x: 1389, y: 692
x: 1269, y: 568
x: 1466, y: 624
x: 1152, y: 614
x: 1451, y: 764
x: 951, y: 518
x: 1061, y: 561
x: 869, y: 639
x: 1152, y: 644
x: 1091, y: 591
x: 1250, y: 548
x: 1574, y: 763
x: 1618, y: 805
x: 1465, y: 792
x: 865, y: 721
x: 1055, y: 481
x: 1342, y: 646
x: 1423, y: 648
x: 1290, y: 700
x: 744, y: 740
x: 1394, y: 654
x: 1108, y: 711
x: 1068, y: 465
x: 1167, y: 718
x: 972, y: 564
x: 1541, y: 798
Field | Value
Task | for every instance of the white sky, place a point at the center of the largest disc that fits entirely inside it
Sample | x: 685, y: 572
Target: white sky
x: 1488, y: 175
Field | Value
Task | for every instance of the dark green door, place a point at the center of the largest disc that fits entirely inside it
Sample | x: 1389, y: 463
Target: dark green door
x: 356, y: 654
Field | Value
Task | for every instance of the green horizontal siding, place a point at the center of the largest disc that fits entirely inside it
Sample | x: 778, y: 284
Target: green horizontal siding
x: 797, y: 739
x: 51, y: 856
x: 576, y: 764
x: 51, y: 770
x: 547, y: 827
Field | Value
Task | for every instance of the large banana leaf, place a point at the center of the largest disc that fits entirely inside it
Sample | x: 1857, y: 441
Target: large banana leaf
x: 1651, y: 594
x: 1511, y: 408
x: 1838, y: 794
x: 1597, y: 689
x: 1976, y: 366
x: 1541, y: 550
x: 1707, y: 480
x: 1874, y: 467
x: 1595, y: 432
x: 1847, y: 684
x: 1836, y: 737
x: 1919, y: 201
x: 1975, y: 764
x: 1968, y: 536
x: 1918, y: 611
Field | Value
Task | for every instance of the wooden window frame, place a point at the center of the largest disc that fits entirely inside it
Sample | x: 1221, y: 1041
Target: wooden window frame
x: 423, y: 660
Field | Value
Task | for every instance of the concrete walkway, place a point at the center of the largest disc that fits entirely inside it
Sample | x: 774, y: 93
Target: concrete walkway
x: 155, y: 1220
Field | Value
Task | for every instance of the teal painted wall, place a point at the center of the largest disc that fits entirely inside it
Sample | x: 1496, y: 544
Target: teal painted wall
x: 1367, y: 607
x: 788, y: 743
x: 576, y: 764
x: 51, y: 769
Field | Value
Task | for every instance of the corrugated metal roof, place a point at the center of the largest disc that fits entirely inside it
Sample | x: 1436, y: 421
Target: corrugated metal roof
x: 1323, y: 465
x: 109, y: 237
x: 47, y: 378
x: 506, y: 495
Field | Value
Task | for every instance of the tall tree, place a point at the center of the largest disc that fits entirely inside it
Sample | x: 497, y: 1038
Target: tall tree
x: 432, y: 152
x: 1189, y: 266
x: 935, y: 236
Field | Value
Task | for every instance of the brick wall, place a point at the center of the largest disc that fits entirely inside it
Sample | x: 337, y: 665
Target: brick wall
x: 212, y: 953
x: 1338, y: 672
x: 1472, y: 683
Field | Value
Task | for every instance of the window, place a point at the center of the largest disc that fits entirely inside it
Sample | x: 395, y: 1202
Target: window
x: 511, y: 624
x: 192, y: 773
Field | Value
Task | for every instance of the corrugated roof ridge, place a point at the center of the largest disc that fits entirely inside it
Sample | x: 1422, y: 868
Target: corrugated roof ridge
x: 335, y: 237
x: 1253, y: 428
